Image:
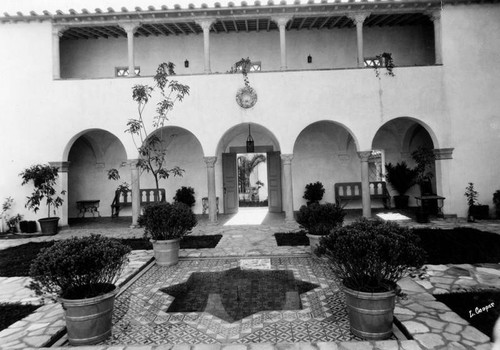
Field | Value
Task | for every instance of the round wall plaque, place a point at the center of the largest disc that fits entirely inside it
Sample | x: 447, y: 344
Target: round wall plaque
x: 246, y: 97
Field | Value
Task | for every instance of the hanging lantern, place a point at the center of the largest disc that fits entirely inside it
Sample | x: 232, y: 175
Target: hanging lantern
x: 250, y: 144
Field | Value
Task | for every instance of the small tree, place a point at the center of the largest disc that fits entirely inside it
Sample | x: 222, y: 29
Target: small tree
x: 245, y: 167
x: 44, y: 178
x: 152, y: 147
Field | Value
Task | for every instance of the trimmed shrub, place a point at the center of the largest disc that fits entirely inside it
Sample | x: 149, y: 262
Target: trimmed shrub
x: 164, y: 221
x: 371, y: 255
x: 79, y: 268
x: 314, y: 192
x: 185, y: 195
x: 320, y: 219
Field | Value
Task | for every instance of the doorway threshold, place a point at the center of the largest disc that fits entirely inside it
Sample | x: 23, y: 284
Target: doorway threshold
x: 248, y: 216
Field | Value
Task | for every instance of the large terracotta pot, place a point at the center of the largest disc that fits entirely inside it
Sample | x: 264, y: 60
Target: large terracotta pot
x: 88, y: 321
x: 49, y: 226
x: 166, y: 252
x: 370, y: 314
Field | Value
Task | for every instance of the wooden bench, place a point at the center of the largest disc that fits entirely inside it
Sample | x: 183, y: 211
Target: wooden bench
x: 347, y: 191
x: 124, y: 199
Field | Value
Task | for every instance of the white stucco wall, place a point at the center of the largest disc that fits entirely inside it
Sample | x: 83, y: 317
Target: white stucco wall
x: 457, y: 103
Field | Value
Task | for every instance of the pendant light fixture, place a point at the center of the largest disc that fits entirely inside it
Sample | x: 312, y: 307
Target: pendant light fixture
x: 250, y: 144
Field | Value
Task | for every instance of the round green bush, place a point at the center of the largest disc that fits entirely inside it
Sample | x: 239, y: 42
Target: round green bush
x: 320, y: 219
x: 371, y: 255
x: 79, y: 268
x: 185, y: 195
x: 164, y: 221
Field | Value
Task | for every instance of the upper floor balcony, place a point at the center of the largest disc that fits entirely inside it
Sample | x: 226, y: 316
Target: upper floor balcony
x: 284, y: 37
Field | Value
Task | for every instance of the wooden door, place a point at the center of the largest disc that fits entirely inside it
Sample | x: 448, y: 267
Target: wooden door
x: 274, y: 181
x: 230, y: 182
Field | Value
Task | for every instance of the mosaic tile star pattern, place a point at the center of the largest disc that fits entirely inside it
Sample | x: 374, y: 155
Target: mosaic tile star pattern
x: 141, y: 315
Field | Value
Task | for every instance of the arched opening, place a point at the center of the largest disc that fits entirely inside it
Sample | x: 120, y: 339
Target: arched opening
x: 244, y: 180
x: 324, y: 151
x: 396, y: 141
x: 183, y: 150
x: 91, y: 154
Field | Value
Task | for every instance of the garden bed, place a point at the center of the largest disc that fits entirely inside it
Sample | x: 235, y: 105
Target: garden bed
x: 16, y: 261
x: 480, y: 308
x: 10, y: 313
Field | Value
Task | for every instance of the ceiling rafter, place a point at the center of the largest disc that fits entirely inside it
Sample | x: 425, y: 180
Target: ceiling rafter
x: 235, y: 26
x: 299, y: 27
x: 335, y: 21
x: 176, y: 25
x: 313, y: 23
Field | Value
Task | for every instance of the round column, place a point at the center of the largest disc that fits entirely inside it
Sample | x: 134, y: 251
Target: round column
x: 136, y: 191
x: 205, y: 25
x: 359, y: 19
x: 130, y: 29
x: 281, y: 22
x: 435, y: 17
x: 365, y: 184
x: 286, y: 160
x: 212, y: 200
x: 57, y: 33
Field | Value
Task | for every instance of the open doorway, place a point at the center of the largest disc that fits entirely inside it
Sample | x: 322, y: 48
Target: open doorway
x: 252, y: 180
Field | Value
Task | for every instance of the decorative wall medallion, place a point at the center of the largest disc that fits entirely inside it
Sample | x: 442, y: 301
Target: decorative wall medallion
x: 246, y: 97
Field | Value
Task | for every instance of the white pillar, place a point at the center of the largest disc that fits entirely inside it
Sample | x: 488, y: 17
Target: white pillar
x: 435, y: 17
x: 358, y: 19
x: 443, y: 171
x: 212, y: 200
x: 136, y: 191
x: 205, y: 25
x: 286, y: 160
x: 57, y: 33
x: 130, y: 29
x: 281, y: 22
x: 62, y: 185
x: 365, y: 184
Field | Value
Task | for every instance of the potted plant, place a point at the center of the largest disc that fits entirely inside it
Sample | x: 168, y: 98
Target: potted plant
x: 314, y: 192
x: 43, y: 177
x: 81, y: 273
x: 401, y: 178
x: 369, y: 257
x: 319, y: 219
x: 27, y: 226
x: 13, y: 221
x: 496, y: 201
x: 185, y: 195
x: 165, y: 224
x: 424, y: 158
x: 476, y: 210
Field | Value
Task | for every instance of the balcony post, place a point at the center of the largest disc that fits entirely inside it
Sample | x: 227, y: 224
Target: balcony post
x: 130, y: 29
x: 212, y: 200
x: 435, y: 17
x: 281, y: 22
x: 358, y: 19
x: 57, y: 33
x: 286, y: 160
x: 205, y: 24
x: 365, y: 184
x: 136, y: 191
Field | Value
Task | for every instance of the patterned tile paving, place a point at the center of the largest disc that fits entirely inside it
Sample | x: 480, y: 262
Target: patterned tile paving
x: 141, y: 315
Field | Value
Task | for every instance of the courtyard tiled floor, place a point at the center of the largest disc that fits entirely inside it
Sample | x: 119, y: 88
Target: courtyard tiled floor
x: 431, y: 324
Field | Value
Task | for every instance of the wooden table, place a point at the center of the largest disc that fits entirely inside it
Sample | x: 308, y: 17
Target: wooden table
x: 88, y: 206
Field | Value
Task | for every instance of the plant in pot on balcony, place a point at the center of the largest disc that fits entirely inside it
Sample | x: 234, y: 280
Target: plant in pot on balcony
x: 165, y: 224
x: 44, y: 178
x: 81, y: 273
x: 319, y: 220
x: 369, y: 257
x: 401, y: 178
x: 314, y: 192
x: 476, y: 210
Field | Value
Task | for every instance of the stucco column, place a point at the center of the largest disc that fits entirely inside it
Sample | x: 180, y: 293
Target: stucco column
x: 136, y: 191
x: 205, y: 25
x: 62, y: 185
x: 281, y: 22
x: 286, y: 160
x: 365, y: 184
x: 435, y: 17
x: 443, y: 163
x: 130, y: 29
x: 57, y: 33
x: 212, y: 200
x: 358, y: 19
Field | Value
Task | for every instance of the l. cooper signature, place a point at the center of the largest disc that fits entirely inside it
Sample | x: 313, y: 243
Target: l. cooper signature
x: 479, y: 310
